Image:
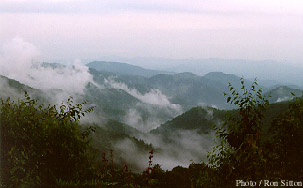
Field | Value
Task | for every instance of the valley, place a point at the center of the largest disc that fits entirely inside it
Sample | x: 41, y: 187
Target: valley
x: 170, y: 112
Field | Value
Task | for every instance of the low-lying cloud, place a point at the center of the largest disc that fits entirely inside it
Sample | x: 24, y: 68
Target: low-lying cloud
x: 155, y: 96
x: 283, y: 99
x: 150, y: 113
x: 184, y: 148
x: 18, y: 61
x: 147, y: 117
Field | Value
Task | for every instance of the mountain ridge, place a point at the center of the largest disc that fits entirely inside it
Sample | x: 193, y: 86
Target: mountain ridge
x: 124, y: 68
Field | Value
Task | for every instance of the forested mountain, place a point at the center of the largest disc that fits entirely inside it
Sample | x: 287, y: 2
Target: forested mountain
x: 282, y: 93
x: 134, y: 99
x: 198, y: 118
x: 185, y: 89
x: 169, y: 114
x: 7, y: 84
x: 226, y: 78
x: 123, y: 68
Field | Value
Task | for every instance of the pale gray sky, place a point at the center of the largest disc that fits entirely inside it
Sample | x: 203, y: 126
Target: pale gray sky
x: 91, y: 29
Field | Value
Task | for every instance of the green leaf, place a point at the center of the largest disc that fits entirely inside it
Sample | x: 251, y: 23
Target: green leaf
x: 228, y: 99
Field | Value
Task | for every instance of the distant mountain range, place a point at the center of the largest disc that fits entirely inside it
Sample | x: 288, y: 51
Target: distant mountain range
x: 272, y: 72
x: 124, y: 68
x: 149, y: 100
x: 121, y: 92
x: 185, y: 89
x: 201, y: 67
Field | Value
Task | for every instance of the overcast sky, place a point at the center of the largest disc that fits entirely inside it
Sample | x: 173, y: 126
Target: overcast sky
x: 91, y: 29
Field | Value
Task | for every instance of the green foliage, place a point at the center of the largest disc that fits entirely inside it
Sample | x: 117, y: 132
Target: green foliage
x: 239, y: 154
x: 245, y: 131
x: 45, y: 146
x: 286, y: 156
x: 178, y: 177
x: 242, y: 153
x: 42, y: 143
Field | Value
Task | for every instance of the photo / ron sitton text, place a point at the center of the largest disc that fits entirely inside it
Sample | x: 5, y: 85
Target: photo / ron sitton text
x: 269, y: 183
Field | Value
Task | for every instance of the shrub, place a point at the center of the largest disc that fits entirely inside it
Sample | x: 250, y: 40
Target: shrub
x: 286, y: 147
x: 40, y: 144
x: 239, y: 154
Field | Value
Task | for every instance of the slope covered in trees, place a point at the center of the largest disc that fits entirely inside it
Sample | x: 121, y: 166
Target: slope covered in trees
x: 46, y: 146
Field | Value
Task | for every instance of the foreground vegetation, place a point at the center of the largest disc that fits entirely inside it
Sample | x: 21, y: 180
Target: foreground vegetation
x: 45, y: 146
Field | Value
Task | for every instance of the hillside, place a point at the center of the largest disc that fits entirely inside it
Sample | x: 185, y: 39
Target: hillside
x: 198, y: 118
x: 225, y: 79
x: 201, y: 120
x: 14, y: 89
x: 185, y: 89
x: 282, y: 93
x: 10, y: 83
x: 123, y: 68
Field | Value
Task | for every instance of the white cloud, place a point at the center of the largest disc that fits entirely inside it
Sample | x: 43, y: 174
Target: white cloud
x: 155, y: 96
x: 282, y: 99
x: 18, y: 61
x: 157, y: 115
x: 184, y: 147
x: 158, y: 105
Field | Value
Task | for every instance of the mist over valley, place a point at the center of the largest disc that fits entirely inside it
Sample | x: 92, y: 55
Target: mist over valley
x: 136, y: 109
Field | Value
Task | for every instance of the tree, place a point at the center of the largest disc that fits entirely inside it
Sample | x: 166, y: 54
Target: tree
x: 40, y: 144
x: 239, y: 155
x: 286, y: 147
